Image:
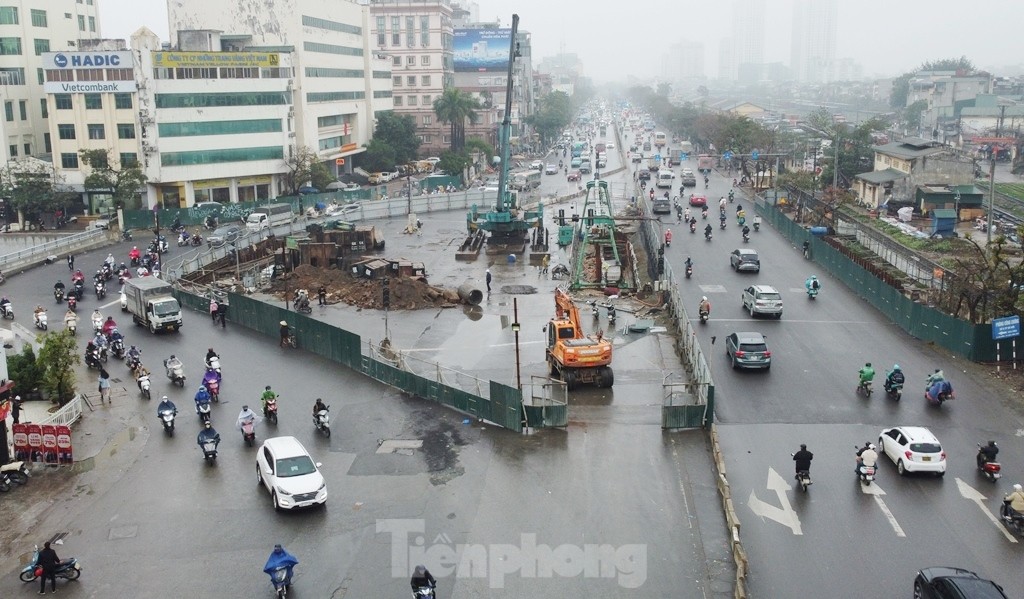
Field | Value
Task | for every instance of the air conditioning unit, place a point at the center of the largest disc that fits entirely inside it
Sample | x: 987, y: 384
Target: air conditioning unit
x: 291, y: 83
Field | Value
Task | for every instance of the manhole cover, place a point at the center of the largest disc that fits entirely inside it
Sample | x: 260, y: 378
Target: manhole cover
x: 519, y: 289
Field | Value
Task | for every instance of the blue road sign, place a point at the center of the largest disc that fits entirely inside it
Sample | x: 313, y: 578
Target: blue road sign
x: 683, y: 156
x: 727, y: 155
x: 755, y: 154
x: 657, y: 156
x: 1006, y: 327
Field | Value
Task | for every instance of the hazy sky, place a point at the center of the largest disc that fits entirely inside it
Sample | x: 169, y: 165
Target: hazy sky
x: 887, y: 37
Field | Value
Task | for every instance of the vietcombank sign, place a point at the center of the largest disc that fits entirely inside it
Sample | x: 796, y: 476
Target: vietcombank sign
x: 76, y: 72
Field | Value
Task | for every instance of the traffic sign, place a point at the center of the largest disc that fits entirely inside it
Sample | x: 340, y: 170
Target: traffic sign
x: 727, y: 155
x: 683, y: 156
x: 755, y: 154
x: 1006, y: 327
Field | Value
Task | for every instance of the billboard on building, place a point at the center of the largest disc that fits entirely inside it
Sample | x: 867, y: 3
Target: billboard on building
x: 481, y: 50
x: 63, y: 68
x: 216, y: 59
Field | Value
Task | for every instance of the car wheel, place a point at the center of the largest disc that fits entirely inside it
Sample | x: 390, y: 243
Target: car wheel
x: 273, y: 499
x: 778, y: 316
x: 735, y: 364
x: 918, y: 591
x: 259, y: 475
x: 752, y: 310
x: 940, y: 474
x: 901, y: 468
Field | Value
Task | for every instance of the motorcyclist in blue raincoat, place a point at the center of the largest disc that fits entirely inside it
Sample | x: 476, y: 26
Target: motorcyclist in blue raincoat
x: 202, y: 396
x: 279, y: 567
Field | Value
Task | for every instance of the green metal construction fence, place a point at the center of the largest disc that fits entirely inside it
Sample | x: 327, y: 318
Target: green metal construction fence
x: 502, y: 405
x: 972, y: 341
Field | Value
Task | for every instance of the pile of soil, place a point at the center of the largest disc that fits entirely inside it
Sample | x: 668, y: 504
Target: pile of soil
x: 406, y: 293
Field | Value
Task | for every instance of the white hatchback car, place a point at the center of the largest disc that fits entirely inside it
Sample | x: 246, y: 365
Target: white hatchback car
x: 913, y: 449
x: 286, y: 469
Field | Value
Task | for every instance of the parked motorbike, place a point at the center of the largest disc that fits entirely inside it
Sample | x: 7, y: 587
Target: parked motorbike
x: 68, y: 569
x: 16, y: 472
x: 322, y: 421
x: 992, y: 470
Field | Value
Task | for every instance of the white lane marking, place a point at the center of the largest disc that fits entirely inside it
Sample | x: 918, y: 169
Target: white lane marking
x: 969, y: 492
x: 876, y: 493
x: 784, y: 515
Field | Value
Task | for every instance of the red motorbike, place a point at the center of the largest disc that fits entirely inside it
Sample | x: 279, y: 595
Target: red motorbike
x: 271, y: 410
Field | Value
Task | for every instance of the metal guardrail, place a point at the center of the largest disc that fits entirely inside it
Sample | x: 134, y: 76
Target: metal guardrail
x: 67, y: 415
x: 57, y: 246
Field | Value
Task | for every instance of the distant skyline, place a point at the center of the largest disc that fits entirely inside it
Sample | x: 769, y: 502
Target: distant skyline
x: 886, y: 37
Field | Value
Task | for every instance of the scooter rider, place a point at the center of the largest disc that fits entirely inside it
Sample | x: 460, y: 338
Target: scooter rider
x: 319, y: 406
x: 1016, y: 500
x: 267, y: 396
x: 936, y: 377
x: 202, y: 396
x: 210, y: 354
x: 893, y: 377
x: 70, y: 318
x: 208, y: 433
x: 987, y: 453
x: 421, y: 578
x: 867, y: 374
x: 705, y: 306
x: 707, y: 231
x: 166, y: 405
x: 866, y: 456
x: 803, y: 460
x: 688, y: 263
x: 59, y: 286
x: 245, y: 416
x: 812, y: 284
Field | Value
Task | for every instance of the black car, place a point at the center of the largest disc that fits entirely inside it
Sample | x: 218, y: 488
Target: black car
x: 954, y: 583
x: 644, y: 175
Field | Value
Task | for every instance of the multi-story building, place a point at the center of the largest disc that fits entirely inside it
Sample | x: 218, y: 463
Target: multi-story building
x: 748, y: 32
x: 815, y: 28
x: 903, y: 166
x: 727, y: 59
x: 338, y: 83
x: 945, y: 92
x: 565, y: 70
x: 684, y: 61
x: 28, y: 30
x: 416, y: 35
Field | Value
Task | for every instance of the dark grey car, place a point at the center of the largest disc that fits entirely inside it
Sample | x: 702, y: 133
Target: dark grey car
x: 748, y: 350
x: 745, y: 259
x: 224, y: 234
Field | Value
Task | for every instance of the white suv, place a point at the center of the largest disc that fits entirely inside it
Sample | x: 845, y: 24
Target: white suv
x: 286, y: 469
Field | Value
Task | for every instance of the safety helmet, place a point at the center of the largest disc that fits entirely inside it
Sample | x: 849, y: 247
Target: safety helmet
x: 991, y: 443
x: 284, y: 323
x: 871, y: 446
x: 703, y: 298
x: 208, y: 424
x: 895, y: 366
x: 268, y: 387
x: 135, y: 247
x: 245, y: 408
x: 814, y: 277
x: 1017, y: 487
x: 867, y: 364
x: 172, y: 357
x: 164, y: 398
x: 202, y: 388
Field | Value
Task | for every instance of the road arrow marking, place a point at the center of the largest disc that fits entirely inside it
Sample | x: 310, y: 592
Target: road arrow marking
x: 969, y: 492
x: 784, y: 515
x: 876, y: 493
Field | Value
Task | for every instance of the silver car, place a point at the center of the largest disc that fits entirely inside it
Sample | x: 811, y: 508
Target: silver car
x: 745, y: 259
x: 762, y: 299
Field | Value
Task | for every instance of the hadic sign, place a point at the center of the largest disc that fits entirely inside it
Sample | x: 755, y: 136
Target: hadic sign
x: 89, y: 72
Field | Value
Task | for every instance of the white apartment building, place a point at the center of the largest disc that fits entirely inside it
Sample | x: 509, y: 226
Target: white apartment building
x: 338, y: 84
x: 416, y: 35
x: 29, y: 29
x: 813, y: 50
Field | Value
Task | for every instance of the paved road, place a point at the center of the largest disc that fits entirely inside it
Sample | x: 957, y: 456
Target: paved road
x: 844, y: 539
x: 147, y: 517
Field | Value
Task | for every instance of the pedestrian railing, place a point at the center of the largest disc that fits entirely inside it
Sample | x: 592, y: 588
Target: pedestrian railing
x: 51, y: 248
x: 67, y: 415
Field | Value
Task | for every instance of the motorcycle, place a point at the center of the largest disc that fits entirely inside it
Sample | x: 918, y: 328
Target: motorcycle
x: 68, y: 569
x: 167, y: 419
x: 689, y: 271
x: 938, y: 392
x: 71, y: 324
x: 209, y: 447
x: 864, y: 389
x: 143, y: 381
x: 704, y: 315
x: 72, y: 303
x: 693, y: 226
x: 58, y: 294
x: 203, y: 411
x: 196, y: 240
x: 721, y: 223
x: 40, y: 320
x: 79, y: 291
x: 746, y: 238
x: 92, y: 359
x: 97, y: 324
x: 707, y: 235
x: 803, y: 479
x: 184, y: 239
x: 8, y: 310
x: 611, y: 313
x: 214, y: 364
x: 279, y: 568
x: 117, y: 348
x: 426, y: 592
x: 757, y: 223
x: 270, y: 410
x: 704, y: 214
x: 248, y: 431
x: 322, y: 421
x: 894, y: 390
x: 992, y: 470
x: 16, y: 472
x: 866, y: 474
x: 594, y: 311
x: 126, y: 235
x: 101, y: 290
x: 1013, y: 520
x: 213, y: 387
x: 812, y: 293
x: 175, y: 372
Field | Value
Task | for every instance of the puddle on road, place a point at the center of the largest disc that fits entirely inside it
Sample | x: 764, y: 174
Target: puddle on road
x: 109, y: 450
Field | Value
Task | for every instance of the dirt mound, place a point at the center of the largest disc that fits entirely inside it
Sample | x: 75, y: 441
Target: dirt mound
x: 406, y: 293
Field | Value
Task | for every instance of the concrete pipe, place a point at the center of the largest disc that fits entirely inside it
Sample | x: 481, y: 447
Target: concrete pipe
x: 469, y: 294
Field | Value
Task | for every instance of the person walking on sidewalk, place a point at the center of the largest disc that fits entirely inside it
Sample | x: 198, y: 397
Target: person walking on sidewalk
x: 321, y: 295
x: 48, y: 561
x: 104, y: 385
x: 222, y: 313
x: 71, y: 262
x: 488, y: 279
x: 16, y: 408
x: 213, y: 309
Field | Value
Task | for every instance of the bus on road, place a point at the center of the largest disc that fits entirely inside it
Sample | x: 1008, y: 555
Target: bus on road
x: 660, y: 139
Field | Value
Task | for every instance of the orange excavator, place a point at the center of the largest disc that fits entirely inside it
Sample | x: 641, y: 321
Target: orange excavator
x: 572, y: 356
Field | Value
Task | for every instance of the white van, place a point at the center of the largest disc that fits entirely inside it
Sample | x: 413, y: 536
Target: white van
x: 268, y: 216
x: 665, y: 179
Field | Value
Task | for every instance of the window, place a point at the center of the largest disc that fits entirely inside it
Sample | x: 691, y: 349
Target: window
x: 331, y: 49
x: 67, y: 16
x: 23, y: 109
x: 411, y: 101
x: 81, y: 22
x: 221, y: 156
x: 122, y: 101
x: 126, y: 130
x: 425, y: 81
x: 93, y: 101
x: 10, y: 46
x: 410, y: 31
x: 334, y: 96
x: 333, y: 120
x: 65, y: 131
x: 129, y: 159
x: 44, y: 110
x: 381, y: 74
x: 331, y: 25
x: 41, y: 46
x: 396, y: 34
x: 92, y: 23
x: 27, y: 148
x: 326, y: 72
x: 68, y: 160
x: 96, y: 132
x: 381, y: 36
x: 397, y: 82
x: 90, y: 75
x: 410, y: 61
x: 426, y: 100
x: 428, y: 119
x: 38, y: 18
x: 218, y: 128
x: 396, y: 61
x: 425, y: 60
x: 46, y: 143
x: 120, y: 75
x: 411, y: 80
x: 426, y: 139
x: 213, y: 100
x: 382, y: 94
x: 12, y: 76
x: 331, y: 142
x: 60, y: 75
x: 424, y: 30
x: 397, y: 101
x: 62, y: 101
x: 40, y: 76
x: 8, y: 15
x: 9, y: 111
x: 13, y: 149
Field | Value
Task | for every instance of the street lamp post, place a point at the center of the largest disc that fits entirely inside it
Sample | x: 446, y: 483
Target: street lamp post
x: 408, y: 194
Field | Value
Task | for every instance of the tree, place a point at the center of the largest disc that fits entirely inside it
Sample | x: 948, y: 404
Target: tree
x: 664, y: 89
x: 123, y: 182
x: 58, y: 358
x: 453, y: 163
x: 378, y: 157
x: 399, y: 132
x: 455, y: 107
x: 304, y: 167
x: 34, y: 187
x: 985, y: 282
x: 853, y: 144
x: 25, y: 371
x: 912, y: 114
x: 553, y: 117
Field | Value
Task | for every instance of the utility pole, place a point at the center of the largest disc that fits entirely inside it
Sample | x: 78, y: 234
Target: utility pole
x: 991, y: 197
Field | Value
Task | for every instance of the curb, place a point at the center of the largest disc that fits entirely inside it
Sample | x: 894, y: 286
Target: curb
x: 732, y: 520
